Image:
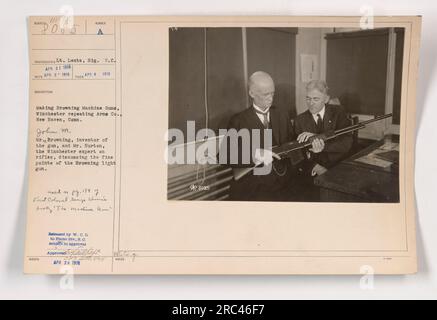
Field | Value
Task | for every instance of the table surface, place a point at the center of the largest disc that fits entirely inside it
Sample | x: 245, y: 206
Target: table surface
x: 365, y: 181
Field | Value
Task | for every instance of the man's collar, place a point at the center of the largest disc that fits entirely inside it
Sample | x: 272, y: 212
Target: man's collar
x: 258, y: 109
x: 321, y: 112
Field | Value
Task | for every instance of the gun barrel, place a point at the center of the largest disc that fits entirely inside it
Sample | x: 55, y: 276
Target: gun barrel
x: 296, y: 146
x: 284, y: 149
x: 377, y: 118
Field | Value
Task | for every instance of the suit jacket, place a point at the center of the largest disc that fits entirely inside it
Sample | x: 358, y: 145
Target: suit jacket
x: 261, y: 187
x: 336, y: 149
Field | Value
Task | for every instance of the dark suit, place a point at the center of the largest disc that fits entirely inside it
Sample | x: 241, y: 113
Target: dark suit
x: 268, y: 187
x: 336, y: 149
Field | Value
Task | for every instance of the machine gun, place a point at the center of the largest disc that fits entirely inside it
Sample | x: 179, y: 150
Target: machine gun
x: 286, y: 149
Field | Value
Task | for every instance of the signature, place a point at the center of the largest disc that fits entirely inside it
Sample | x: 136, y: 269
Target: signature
x: 79, y: 253
x: 40, y: 132
x: 83, y: 252
x: 125, y: 254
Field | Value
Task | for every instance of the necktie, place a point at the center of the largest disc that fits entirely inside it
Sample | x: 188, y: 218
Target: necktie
x: 265, y: 117
x: 266, y: 120
x: 319, y: 124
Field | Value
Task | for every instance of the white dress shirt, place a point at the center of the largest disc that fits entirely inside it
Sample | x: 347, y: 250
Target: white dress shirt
x: 321, y: 112
x: 264, y: 112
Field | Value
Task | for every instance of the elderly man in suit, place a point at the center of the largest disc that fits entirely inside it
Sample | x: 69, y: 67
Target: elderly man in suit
x: 319, y: 118
x: 262, y: 115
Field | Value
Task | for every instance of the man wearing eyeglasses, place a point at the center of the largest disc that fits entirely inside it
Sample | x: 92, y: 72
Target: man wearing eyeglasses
x: 320, y: 118
x: 275, y: 185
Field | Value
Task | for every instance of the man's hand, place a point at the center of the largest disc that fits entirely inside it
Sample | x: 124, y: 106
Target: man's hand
x: 265, y: 156
x: 304, y: 136
x: 318, y: 170
x: 317, y: 145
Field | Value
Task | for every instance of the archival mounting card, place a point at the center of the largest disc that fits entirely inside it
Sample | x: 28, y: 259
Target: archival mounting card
x: 128, y: 116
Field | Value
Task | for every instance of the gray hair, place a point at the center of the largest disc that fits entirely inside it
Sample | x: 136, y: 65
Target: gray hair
x: 319, y: 85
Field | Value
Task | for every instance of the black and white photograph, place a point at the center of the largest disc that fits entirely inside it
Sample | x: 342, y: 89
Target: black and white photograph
x: 285, y: 114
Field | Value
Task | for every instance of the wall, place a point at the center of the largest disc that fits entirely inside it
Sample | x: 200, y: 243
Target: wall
x: 308, y: 41
x: 268, y: 49
x: 311, y: 41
